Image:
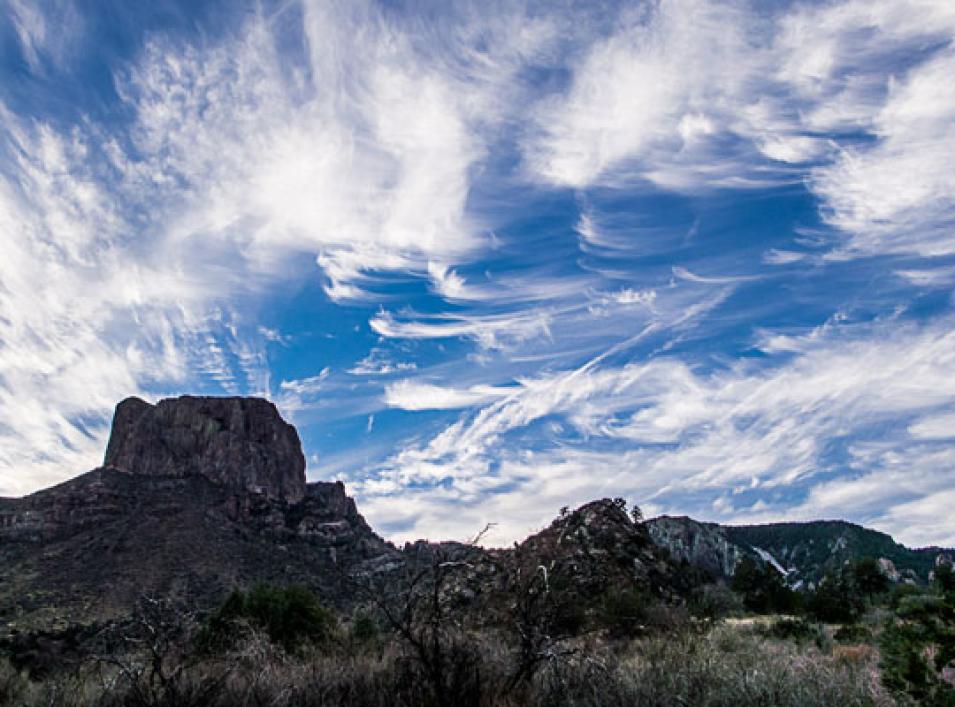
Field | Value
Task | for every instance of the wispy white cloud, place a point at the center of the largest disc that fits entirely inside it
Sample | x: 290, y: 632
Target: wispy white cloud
x: 490, y: 331
x: 309, y: 385
x: 934, y: 427
x: 379, y: 363
x: 674, y: 433
x: 924, y: 521
x: 46, y: 30
x: 896, y: 485
x: 82, y: 321
x: 681, y: 81
x: 418, y: 395
x: 775, y: 256
x: 899, y: 195
x: 892, y: 193
x: 129, y: 247
x: 629, y: 296
x: 283, y: 168
x: 684, y: 274
x: 650, y: 99
x: 30, y: 26
x: 366, y: 163
x: 934, y: 277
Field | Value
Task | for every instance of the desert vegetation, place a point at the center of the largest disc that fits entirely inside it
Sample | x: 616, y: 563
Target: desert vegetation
x: 279, y: 646
x: 720, y: 665
x: 587, y: 612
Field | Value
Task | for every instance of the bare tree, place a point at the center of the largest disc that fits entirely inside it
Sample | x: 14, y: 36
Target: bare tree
x: 148, y: 656
x: 534, y: 619
x: 419, y: 604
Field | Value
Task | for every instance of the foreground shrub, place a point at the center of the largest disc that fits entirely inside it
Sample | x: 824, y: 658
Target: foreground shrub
x: 624, y: 612
x: 12, y: 684
x: 838, y: 598
x: 762, y: 588
x: 726, y: 666
x: 291, y: 617
x: 853, y: 633
x: 711, y: 602
x: 870, y: 580
x: 364, y: 630
x: 899, y: 592
x: 918, y: 644
x: 798, y: 631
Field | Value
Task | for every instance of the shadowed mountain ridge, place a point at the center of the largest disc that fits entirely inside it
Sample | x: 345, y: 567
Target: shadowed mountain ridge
x: 201, y: 495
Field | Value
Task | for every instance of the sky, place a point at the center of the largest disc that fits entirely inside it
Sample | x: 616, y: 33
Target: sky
x: 496, y: 258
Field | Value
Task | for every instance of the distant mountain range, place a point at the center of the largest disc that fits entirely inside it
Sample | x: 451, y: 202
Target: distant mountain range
x: 198, y: 496
x: 801, y: 552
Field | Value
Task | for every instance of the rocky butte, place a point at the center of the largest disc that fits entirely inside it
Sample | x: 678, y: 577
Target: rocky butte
x: 238, y: 443
x: 196, y: 496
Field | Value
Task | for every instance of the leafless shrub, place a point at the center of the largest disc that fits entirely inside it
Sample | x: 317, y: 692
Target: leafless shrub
x: 417, y: 605
x: 147, y: 661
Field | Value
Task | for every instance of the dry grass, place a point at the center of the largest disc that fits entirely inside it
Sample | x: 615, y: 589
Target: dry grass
x: 730, y: 665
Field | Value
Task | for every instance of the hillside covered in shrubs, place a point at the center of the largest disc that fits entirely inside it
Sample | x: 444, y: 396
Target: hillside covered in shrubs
x: 561, y: 619
x: 280, y: 646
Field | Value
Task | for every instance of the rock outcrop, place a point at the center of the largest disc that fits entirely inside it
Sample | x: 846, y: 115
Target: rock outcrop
x: 701, y: 545
x: 599, y: 547
x: 240, y: 443
x: 583, y: 559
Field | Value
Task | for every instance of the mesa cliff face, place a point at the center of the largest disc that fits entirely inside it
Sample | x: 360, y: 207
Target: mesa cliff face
x: 240, y: 443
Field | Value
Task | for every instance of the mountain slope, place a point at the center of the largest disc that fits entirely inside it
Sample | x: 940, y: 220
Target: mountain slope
x: 199, y: 496
x: 808, y: 550
x: 804, y: 552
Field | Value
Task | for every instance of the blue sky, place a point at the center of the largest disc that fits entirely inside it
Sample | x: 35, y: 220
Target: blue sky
x: 496, y: 258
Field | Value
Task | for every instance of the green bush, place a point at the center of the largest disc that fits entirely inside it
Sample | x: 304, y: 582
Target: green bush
x: 918, y: 644
x: 714, y: 601
x: 290, y: 616
x: 869, y: 578
x: 798, y: 631
x: 364, y: 629
x: 853, y: 633
x: 899, y: 592
x: 844, y: 594
x: 624, y: 611
x: 12, y: 684
x: 763, y: 589
x: 564, y: 611
x: 837, y: 599
x: 568, y: 616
